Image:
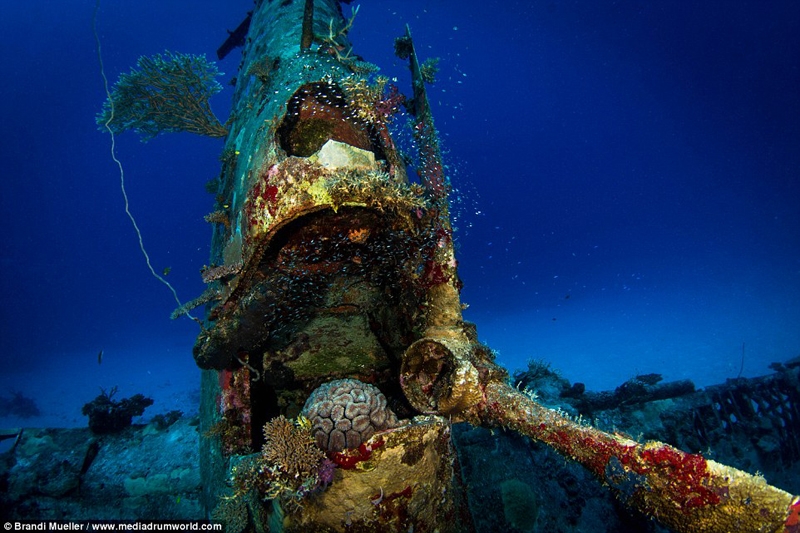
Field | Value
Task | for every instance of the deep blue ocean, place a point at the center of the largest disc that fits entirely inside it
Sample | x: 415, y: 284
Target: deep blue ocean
x: 626, y: 188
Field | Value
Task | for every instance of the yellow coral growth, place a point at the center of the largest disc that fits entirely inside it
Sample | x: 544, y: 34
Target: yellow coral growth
x: 319, y: 192
x: 375, y: 189
x: 363, y: 97
x: 290, y: 448
x: 218, y: 217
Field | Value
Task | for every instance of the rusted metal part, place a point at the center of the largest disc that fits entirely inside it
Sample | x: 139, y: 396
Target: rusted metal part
x: 308, y: 26
x: 682, y: 490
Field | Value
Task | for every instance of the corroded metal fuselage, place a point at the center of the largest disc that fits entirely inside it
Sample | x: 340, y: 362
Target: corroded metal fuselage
x: 329, y: 263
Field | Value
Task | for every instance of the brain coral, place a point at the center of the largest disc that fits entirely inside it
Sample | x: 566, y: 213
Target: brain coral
x: 346, y: 412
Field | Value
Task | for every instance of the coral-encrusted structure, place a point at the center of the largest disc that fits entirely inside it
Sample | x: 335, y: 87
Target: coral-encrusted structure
x: 328, y: 262
x: 107, y: 415
x: 334, y: 265
x: 232, y: 412
x: 685, y: 491
x: 400, y: 480
x: 345, y: 413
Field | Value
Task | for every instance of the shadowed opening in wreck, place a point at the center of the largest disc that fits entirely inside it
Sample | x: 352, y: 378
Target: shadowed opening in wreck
x: 318, y: 112
x: 337, y: 299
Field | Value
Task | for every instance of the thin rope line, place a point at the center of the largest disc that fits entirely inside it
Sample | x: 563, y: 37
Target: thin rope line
x: 119, y: 164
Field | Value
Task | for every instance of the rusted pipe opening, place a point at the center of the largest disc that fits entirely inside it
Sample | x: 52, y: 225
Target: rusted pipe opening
x: 438, y: 377
x: 425, y: 374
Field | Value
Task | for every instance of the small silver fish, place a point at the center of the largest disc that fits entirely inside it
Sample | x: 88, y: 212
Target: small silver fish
x: 100, y: 358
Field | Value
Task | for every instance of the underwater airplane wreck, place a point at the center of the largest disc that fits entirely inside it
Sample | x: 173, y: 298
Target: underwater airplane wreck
x: 334, y: 353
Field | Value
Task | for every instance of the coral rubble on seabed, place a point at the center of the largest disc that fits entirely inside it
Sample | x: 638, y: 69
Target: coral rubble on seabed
x: 140, y: 472
x: 107, y: 415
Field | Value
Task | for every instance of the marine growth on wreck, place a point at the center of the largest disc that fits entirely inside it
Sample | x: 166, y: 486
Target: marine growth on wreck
x: 334, y: 353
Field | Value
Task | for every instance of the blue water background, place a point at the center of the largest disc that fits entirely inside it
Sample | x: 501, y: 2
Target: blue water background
x: 626, y: 176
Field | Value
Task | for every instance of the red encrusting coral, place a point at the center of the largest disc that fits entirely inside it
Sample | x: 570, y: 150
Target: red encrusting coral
x: 390, y: 509
x: 431, y: 170
x: 792, y: 524
x: 437, y: 268
x: 263, y: 197
x: 635, y: 469
x: 234, y: 405
x: 433, y: 274
x: 348, y: 459
x: 268, y: 193
x: 390, y: 103
x: 687, y: 473
x: 238, y: 394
